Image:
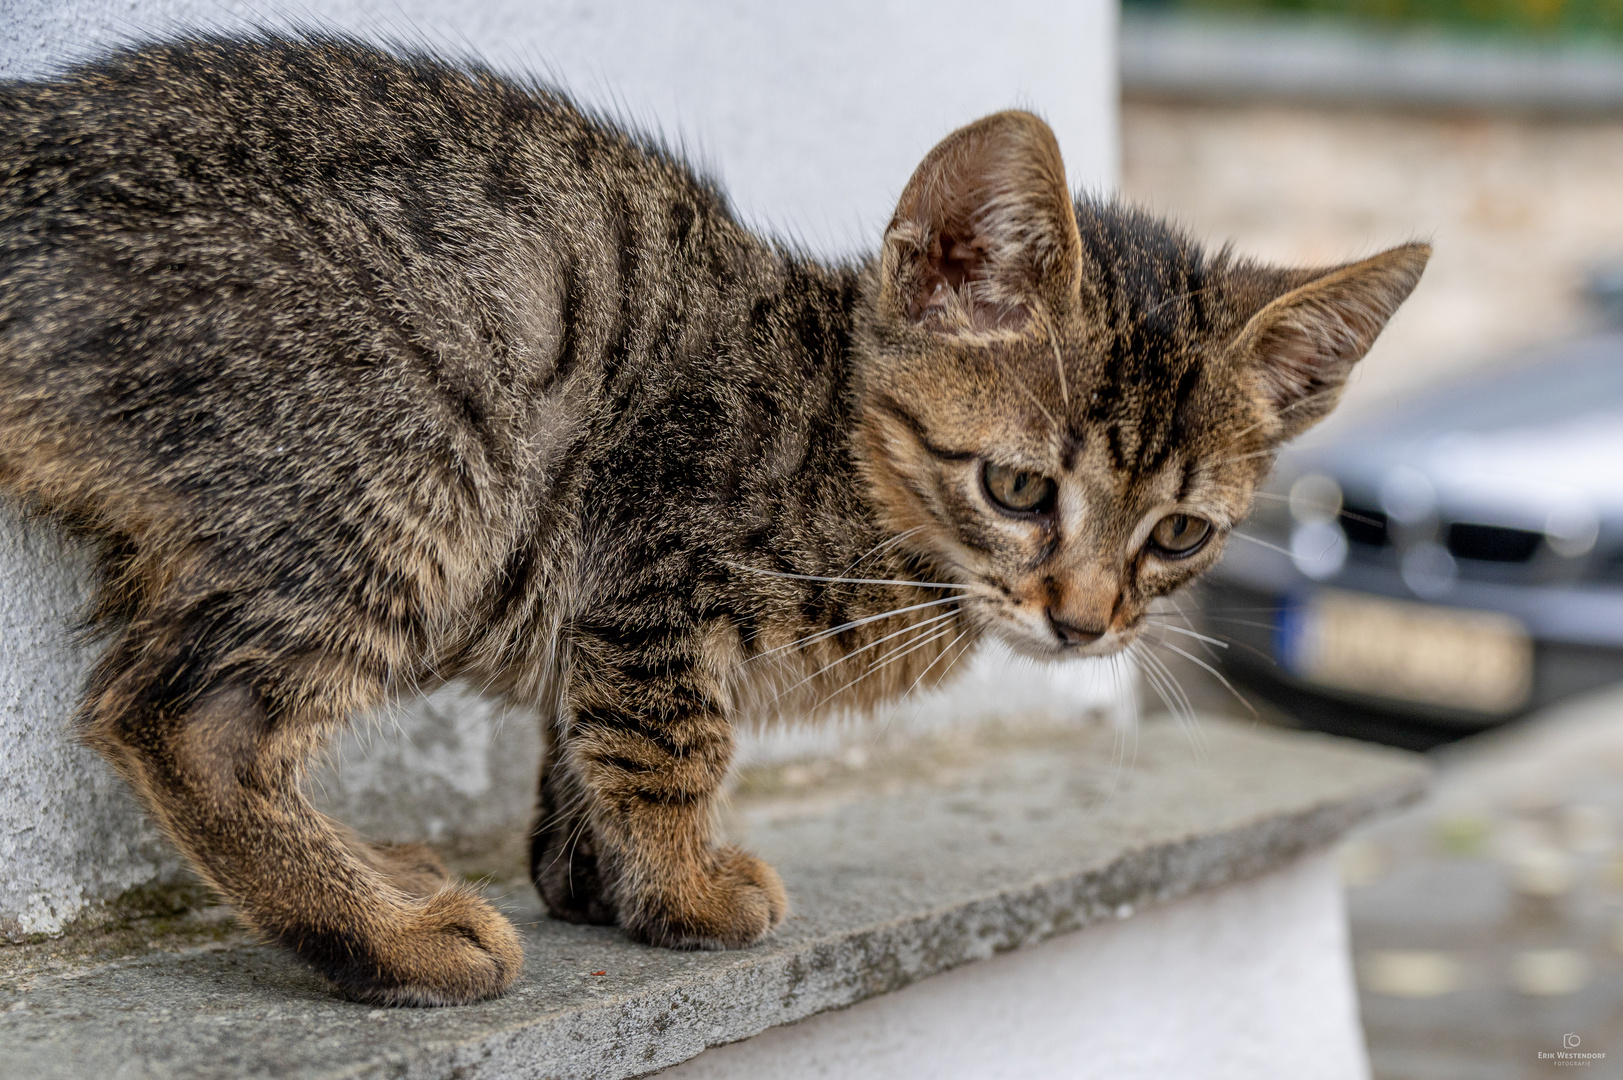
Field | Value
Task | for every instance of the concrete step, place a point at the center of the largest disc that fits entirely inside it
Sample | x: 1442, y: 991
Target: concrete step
x: 899, y: 868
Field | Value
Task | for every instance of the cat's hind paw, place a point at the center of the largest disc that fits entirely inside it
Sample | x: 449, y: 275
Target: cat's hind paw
x: 453, y: 948
x: 414, y: 869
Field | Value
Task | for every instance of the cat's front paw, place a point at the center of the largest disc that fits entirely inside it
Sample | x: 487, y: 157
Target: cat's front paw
x: 453, y: 948
x: 735, y: 901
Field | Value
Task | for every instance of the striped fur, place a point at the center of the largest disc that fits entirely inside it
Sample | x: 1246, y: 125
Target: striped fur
x: 365, y: 372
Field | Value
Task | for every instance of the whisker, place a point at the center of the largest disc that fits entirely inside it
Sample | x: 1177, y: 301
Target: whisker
x: 1241, y: 622
x: 1226, y: 642
x: 1348, y: 514
x: 1185, y: 709
x: 946, y: 671
x: 1274, y: 610
x: 822, y: 635
x: 1190, y: 625
x: 1177, y: 701
x: 962, y: 634
x: 1264, y: 543
x: 1190, y: 633
x: 906, y: 647
x: 883, y: 544
x: 1246, y: 457
x: 847, y: 656
x: 1241, y: 698
x: 1310, y: 399
x: 848, y: 580
x: 1153, y: 677
x: 1118, y: 747
x: 889, y: 658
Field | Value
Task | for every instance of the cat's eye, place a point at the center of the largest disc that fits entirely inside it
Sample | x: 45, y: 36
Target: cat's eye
x: 1017, y: 490
x: 1178, y: 535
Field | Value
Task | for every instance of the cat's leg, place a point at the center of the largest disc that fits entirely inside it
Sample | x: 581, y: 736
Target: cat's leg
x: 412, y: 868
x: 649, y: 754
x: 221, y: 775
x: 564, y: 861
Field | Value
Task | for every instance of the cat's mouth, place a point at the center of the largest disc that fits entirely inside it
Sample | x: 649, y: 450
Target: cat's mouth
x: 1045, y: 637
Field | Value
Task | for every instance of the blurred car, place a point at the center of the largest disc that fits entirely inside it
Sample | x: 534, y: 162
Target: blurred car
x: 1445, y: 567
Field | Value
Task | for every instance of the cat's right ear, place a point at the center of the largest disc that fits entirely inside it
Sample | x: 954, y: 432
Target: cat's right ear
x: 985, y: 231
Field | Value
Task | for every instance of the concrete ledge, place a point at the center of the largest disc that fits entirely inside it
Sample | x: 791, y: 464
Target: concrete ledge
x: 965, y: 847
x: 1335, y: 63
x: 1248, y: 980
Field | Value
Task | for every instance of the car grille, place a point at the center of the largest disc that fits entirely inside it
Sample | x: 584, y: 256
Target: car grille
x: 1370, y: 531
x: 1364, y: 526
x: 1492, y: 543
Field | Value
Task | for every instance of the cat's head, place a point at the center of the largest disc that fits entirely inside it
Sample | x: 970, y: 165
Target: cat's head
x: 1067, y: 405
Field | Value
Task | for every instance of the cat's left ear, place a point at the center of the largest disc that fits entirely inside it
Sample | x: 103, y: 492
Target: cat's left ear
x: 985, y: 231
x: 1301, y: 347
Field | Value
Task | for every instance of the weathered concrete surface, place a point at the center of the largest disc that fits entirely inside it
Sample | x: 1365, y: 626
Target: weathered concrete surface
x: 92, y: 844
x: 898, y: 870
x: 1249, y: 981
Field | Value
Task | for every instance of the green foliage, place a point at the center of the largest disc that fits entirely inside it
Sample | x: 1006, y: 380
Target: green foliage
x: 1541, y: 18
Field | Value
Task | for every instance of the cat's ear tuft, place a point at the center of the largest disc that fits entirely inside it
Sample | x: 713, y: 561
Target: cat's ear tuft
x: 984, y: 231
x: 1301, y: 347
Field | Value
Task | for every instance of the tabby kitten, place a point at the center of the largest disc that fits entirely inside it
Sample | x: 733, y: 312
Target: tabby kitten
x: 366, y: 372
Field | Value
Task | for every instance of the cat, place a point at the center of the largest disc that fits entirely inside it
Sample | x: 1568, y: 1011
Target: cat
x: 363, y: 371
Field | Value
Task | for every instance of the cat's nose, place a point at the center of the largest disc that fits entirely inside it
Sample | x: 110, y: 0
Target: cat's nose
x: 1070, y: 634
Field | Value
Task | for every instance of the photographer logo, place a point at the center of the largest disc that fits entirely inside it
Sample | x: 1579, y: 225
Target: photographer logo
x: 1569, y: 1054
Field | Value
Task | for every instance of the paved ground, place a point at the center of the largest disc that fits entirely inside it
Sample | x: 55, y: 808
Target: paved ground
x: 1488, y: 923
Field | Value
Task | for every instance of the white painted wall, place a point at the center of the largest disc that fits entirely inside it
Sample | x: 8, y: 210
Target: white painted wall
x: 1248, y: 982
x: 70, y: 832
x: 813, y: 114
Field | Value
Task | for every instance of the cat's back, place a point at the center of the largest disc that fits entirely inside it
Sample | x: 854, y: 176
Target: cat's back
x: 289, y: 299
x: 208, y: 216
x: 397, y: 208
x: 228, y: 122
x: 330, y: 313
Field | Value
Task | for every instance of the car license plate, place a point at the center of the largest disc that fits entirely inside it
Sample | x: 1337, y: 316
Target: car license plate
x: 1476, y: 661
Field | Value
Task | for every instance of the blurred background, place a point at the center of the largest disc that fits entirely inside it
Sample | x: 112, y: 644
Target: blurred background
x: 1440, y: 566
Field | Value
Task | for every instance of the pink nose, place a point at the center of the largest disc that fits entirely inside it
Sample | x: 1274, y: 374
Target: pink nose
x: 1069, y: 634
